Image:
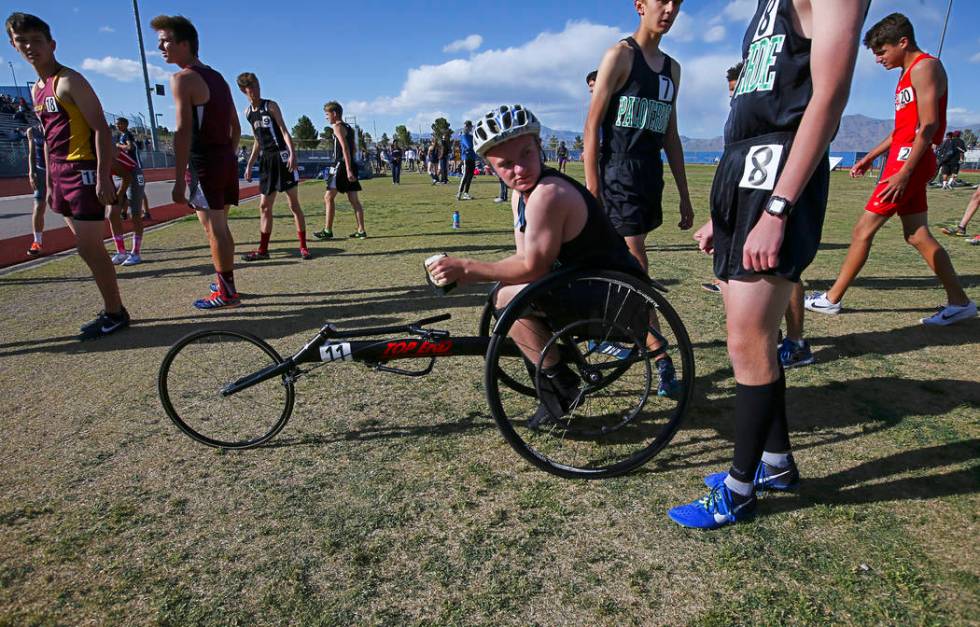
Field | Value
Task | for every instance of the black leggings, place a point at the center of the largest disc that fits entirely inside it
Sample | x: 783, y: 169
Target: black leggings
x: 464, y: 185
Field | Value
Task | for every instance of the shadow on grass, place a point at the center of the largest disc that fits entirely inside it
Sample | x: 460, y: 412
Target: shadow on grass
x: 824, y: 411
x: 390, y: 306
x: 844, y: 487
x: 896, y: 283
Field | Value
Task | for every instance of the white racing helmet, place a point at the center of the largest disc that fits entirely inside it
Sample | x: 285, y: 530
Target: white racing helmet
x: 502, y: 124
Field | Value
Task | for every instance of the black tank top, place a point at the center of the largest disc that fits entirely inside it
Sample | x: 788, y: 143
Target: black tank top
x: 267, y: 132
x: 597, y: 245
x: 338, y: 152
x: 775, y: 85
x: 638, y: 114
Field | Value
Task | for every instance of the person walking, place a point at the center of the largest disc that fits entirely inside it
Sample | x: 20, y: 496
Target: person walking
x: 468, y: 156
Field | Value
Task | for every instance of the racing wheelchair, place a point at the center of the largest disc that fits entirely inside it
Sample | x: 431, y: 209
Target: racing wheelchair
x: 232, y: 390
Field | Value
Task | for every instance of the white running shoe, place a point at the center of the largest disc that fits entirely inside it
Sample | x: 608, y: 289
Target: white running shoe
x: 467, y: 196
x: 817, y: 301
x: 498, y: 199
x: 119, y: 258
x: 133, y: 260
x: 950, y: 314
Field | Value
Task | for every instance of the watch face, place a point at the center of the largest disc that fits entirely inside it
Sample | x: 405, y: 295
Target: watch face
x: 777, y: 206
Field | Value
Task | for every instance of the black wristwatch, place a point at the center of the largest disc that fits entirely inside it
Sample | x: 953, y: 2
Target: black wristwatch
x: 778, y: 206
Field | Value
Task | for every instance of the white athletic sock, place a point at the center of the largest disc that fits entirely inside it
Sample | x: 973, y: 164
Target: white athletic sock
x: 37, y: 237
x: 741, y: 488
x: 776, y: 460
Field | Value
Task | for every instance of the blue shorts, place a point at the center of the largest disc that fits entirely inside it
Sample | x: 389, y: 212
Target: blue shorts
x: 41, y: 180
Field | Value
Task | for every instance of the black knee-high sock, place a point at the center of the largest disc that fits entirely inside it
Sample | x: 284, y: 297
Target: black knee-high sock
x: 778, y: 439
x: 753, y: 420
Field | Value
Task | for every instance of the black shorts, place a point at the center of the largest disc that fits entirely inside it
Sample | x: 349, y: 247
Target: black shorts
x: 274, y: 173
x: 741, y: 189
x: 338, y: 180
x: 632, y: 193
x: 950, y: 167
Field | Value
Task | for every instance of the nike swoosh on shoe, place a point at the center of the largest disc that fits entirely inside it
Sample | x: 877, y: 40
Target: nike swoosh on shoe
x: 112, y: 328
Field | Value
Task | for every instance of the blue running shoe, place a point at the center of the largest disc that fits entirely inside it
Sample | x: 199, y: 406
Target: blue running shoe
x: 792, y: 355
x: 216, y: 301
x: 612, y: 349
x: 718, y: 508
x: 669, y: 386
x: 766, y: 478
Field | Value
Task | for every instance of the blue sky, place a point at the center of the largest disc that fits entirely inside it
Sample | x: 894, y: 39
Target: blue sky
x: 407, y: 62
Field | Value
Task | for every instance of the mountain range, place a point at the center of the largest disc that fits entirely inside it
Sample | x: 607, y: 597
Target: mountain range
x: 857, y: 133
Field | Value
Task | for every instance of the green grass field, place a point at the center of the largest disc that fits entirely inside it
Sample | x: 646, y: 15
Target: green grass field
x: 391, y: 500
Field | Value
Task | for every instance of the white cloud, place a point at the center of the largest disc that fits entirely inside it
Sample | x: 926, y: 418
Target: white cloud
x: 153, y: 53
x: 740, y: 10
x: 469, y: 44
x: 714, y: 34
x: 703, y: 101
x: 683, y: 29
x: 975, y: 58
x: 106, y: 29
x: 124, y: 70
x: 960, y: 116
x: 546, y: 73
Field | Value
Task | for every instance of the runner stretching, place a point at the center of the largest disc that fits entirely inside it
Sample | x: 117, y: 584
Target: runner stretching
x: 767, y: 207
x: 205, y: 143
x: 78, y: 156
x: 920, y: 120
x: 278, y: 171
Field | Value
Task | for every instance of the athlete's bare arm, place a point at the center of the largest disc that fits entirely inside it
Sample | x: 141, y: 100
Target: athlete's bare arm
x: 613, y: 72
x: 834, y: 29
x: 188, y: 89
x: 552, y: 205
x: 675, y: 158
x: 286, y: 137
x: 74, y: 88
x: 338, y: 132
x: 253, y: 155
x: 861, y: 167
x: 929, y: 81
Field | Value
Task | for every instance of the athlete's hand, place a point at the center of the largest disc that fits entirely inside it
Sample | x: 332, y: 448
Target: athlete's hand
x: 596, y: 192
x: 352, y: 175
x: 895, y: 188
x: 248, y: 172
x: 761, y: 249
x: 860, y: 169
x: 448, y: 270
x: 705, y: 237
x: 291, y: 164
x: 687, y: 215
x: 179, y: 193
x: 105, y: 190
x: 32, y: 180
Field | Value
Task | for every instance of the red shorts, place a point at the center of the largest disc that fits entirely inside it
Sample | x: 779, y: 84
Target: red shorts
x: 914, y: 199
x: 72, y: 192
x: 213, y: 181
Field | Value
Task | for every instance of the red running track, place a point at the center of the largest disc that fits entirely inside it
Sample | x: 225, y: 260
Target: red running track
x: 13, y: 250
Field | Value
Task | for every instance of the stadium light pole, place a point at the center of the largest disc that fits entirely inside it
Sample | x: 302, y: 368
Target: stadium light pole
x: 942, y: 38
x: 146, y: 77
x: 14, y: 75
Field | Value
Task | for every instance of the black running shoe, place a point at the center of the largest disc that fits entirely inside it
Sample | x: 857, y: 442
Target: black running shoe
x: 104, y: 324
x: 255, y: 255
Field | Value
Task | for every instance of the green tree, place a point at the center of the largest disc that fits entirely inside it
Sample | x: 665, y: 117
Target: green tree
x: 304, y: 133
x: 553, y: 143
x: 579, y: 144
x: 969, y: 137
x: 403, y: 137
x: 384, y: 140
x: 326, y: 137
x: 441, y: 129
x: 363, y: 140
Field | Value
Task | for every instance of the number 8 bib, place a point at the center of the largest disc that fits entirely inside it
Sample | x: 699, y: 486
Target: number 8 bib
x: 761, y: 167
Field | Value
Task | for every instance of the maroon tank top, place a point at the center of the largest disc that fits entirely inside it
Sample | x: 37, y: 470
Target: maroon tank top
x: 211, y: 131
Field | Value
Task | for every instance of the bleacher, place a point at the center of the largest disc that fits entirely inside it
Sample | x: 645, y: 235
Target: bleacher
x: 13, y: 147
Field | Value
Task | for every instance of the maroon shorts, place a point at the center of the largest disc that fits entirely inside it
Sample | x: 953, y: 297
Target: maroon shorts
x: 213, y: 181
x: 72, y: 192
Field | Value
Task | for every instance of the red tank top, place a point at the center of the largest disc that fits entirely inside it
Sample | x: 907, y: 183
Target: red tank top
x: 211, y: 131
x: 907, y: 110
